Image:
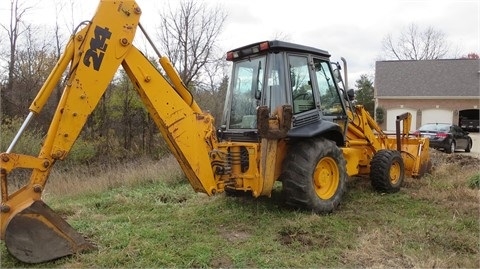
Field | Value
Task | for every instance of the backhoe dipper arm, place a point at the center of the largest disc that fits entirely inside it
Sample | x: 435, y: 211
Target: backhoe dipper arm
x: 190, y: 135
x: 32, y: 231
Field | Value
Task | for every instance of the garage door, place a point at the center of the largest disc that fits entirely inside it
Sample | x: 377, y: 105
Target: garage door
x: 437, y: 116
x: 392, y: 117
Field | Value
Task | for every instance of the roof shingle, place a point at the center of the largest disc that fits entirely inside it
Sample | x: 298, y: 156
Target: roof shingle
x: 436, y: 78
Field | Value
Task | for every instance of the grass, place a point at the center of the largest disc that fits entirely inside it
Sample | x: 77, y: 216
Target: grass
x: 146, y: 215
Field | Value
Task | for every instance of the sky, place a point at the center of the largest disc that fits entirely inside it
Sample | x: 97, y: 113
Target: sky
x: 345, y: 28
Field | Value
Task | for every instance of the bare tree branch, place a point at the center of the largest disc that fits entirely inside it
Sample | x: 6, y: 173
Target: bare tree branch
x: 414, y: 44
x: 188, y: 36
x: 14, y: 31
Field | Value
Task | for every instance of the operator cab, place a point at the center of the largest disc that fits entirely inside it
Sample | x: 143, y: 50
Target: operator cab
x: 275, y: 73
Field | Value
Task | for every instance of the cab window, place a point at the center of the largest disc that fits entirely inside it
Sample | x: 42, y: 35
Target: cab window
x: 330, y: 102
x: 301, y: 85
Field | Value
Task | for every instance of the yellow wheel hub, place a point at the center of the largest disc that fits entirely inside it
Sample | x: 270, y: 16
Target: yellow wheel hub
x: 326, y: 178
x: 395, y: 173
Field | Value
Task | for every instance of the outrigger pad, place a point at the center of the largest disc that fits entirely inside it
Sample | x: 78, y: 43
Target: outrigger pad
x: 37, y: 234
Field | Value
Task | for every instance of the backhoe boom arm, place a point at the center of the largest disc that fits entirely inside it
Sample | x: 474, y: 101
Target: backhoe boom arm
x: 94, y: 55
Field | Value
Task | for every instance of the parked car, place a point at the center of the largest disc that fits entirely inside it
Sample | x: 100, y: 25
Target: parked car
x: 448, y: 137
x: 470, y: 124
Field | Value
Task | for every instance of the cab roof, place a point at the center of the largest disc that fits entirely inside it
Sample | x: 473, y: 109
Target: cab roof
x: 277, y: 45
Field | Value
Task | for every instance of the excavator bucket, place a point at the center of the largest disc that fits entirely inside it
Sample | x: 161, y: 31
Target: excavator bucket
x: 37, y: 234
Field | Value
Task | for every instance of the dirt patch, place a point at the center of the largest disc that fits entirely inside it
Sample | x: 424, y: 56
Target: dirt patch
x: 222, y: 262
x: 448, y: 184
x: 234, y: 236
x: 303, y: 239
x: 440, y: 158
x: 378, y: 248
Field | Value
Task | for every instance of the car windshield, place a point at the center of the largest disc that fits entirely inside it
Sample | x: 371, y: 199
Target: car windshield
x: 435, y: 127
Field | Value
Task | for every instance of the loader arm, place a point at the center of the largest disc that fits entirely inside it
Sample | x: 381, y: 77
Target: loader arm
x: 364, y: 138
x: 32, y: 231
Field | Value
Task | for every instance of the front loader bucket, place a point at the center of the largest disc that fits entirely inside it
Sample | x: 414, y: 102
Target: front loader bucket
x: 416, y: 155
x: 37, y: 234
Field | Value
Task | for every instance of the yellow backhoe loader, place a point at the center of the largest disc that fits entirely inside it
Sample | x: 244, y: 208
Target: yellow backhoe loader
x: 288, y: 118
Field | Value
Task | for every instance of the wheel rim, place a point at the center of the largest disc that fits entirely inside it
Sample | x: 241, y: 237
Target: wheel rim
x: 326, y: 178
x: 452, y: 147
x: 395, y: 172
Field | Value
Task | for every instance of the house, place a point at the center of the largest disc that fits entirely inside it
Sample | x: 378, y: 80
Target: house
x: 443, y: 91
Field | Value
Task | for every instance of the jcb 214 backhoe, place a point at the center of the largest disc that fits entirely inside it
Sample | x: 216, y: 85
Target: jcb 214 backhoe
x: 287, y: 118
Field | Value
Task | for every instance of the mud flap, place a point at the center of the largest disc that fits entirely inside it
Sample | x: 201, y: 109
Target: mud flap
x: 37, y: 234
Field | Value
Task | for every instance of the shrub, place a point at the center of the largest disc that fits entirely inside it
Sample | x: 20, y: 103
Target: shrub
x: 30, y: 141
x: 82, y: 152
x: 379, y: 115
x: 474, y: 182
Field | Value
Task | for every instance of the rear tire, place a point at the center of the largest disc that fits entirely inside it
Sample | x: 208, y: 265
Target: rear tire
x: 387, y: 171
x: 314, y: 175
x: 451, y: 147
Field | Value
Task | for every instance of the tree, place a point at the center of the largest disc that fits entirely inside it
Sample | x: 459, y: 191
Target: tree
x: 188, y: 36
x: 365, y: 93
x: 416, y: 44
x: 212, y: 99
x: 471, y: 55
x: 14, y: 31
x: 33, y: 62
x: 281, y: 36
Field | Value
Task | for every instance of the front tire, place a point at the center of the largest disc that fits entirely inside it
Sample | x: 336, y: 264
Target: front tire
x: 314, y: 175
x: 387, y: 171
x: 469, y: 146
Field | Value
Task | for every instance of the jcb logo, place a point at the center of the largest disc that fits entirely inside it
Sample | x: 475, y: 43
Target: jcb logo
x: 97, y: 49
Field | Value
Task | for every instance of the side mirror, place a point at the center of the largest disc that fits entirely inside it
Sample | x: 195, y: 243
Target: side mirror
x: 351, y: 94
x: 258, y: 94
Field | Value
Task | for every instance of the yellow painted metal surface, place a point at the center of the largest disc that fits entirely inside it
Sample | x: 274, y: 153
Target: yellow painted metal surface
x: 189, y: 135
x: 94, y: 55
x: 96, y: 52
x: 364, y: 138
x: 267, y: 166
x: 326, y: 178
